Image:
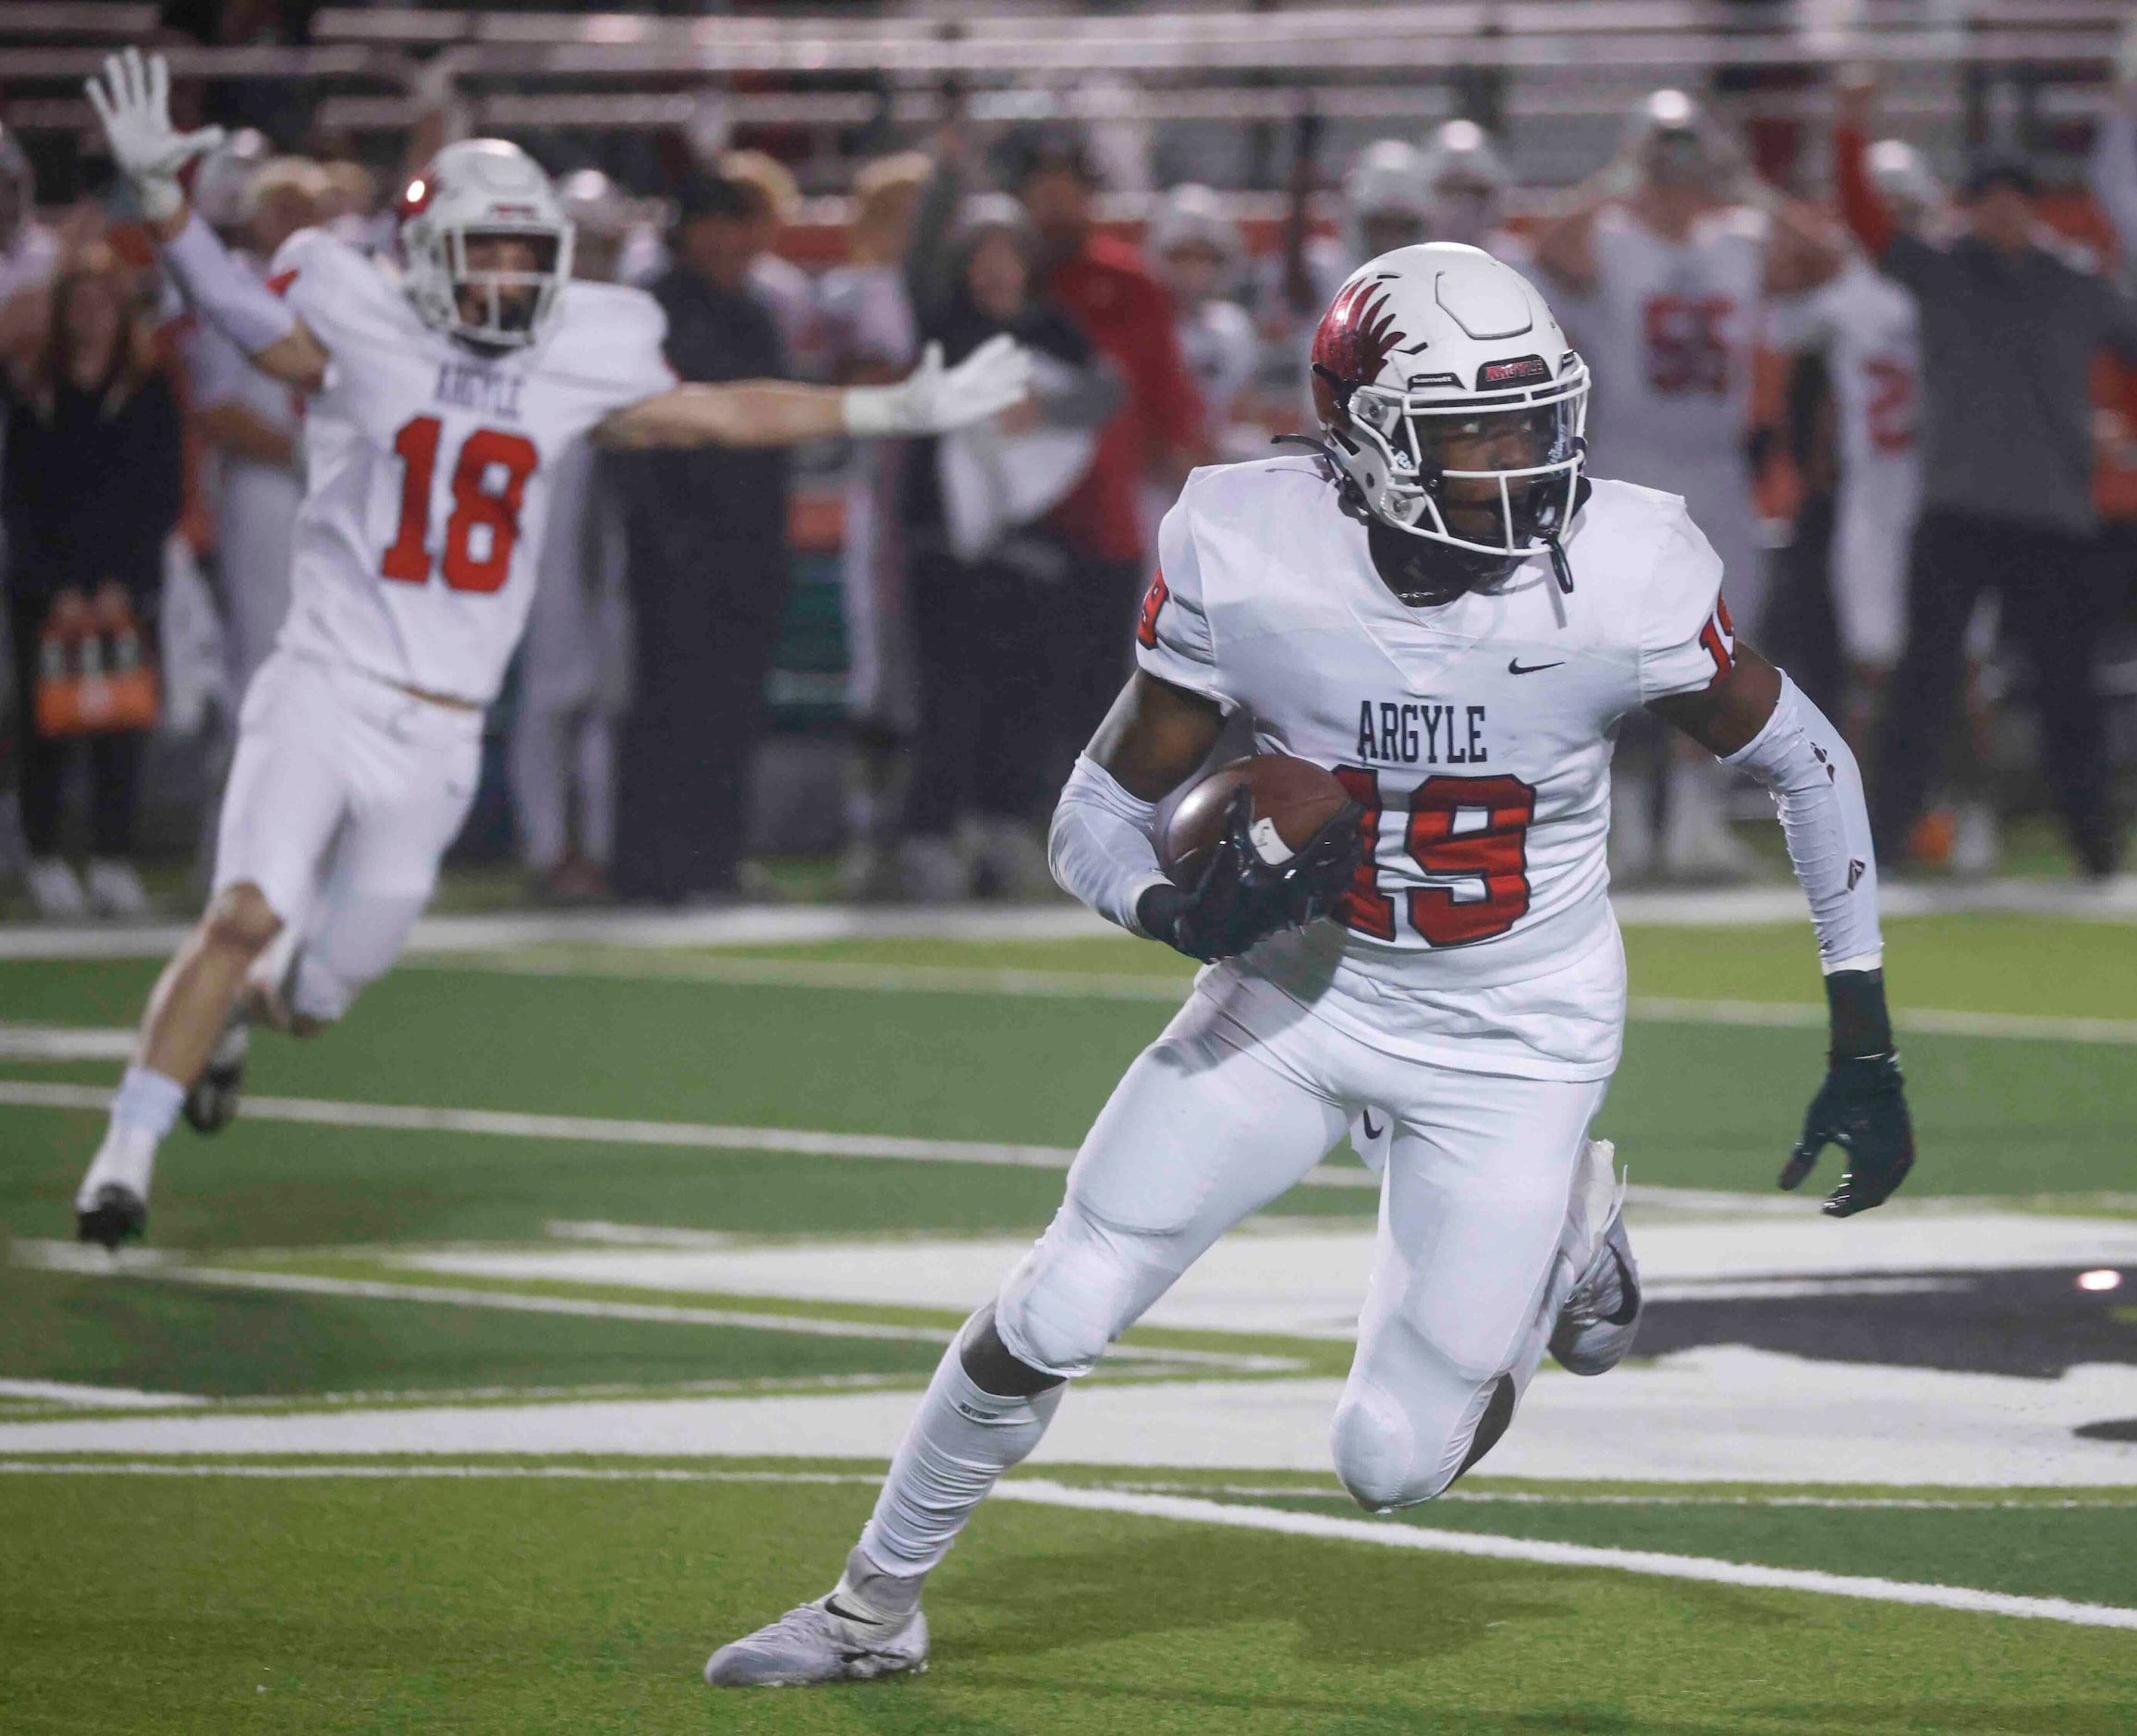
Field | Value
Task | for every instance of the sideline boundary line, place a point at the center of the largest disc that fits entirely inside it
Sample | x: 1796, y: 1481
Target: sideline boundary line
x: 1647, y: 1562
x: 1039, y: 1492
x: 806, y: 925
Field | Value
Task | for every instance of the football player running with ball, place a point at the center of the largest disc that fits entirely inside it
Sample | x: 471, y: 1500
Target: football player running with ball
x: 441, y: 397
x: 1441, y: 609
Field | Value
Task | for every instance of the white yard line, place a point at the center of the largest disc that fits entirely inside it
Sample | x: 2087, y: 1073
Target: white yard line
x: 1038, y: 1492
x: 1508, y: 1498
x: 67, y: 1256
x: 688, y: 1135
x: 563, y: 1474
x: 64, y: 1042
x: 1642, y: 1561
x: 97, y: 1398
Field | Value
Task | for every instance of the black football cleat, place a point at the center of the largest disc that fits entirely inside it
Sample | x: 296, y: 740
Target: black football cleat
x: 116, y: 1215
x: 212, y: 1101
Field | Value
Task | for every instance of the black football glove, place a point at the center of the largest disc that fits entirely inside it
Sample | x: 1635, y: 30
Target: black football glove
x: 1861, y: 1107
x: 1241, y: 898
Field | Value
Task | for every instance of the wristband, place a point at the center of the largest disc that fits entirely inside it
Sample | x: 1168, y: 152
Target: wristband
x: 871, y: 412
x: 1862, y: 1026
x: 1158, y: 910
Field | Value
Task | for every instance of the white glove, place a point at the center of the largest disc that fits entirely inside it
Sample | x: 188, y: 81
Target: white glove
x: 134, y: 103
x: 934, y: 399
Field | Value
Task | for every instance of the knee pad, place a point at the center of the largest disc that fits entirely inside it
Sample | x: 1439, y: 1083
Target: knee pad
x: 1388, y: 1456
x: 317, y: 992
x: 1375, y: 1449
x: 354, y: 944
x: 1066, y: 1300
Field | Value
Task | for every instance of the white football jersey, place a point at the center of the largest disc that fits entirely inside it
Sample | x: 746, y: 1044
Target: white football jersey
x: 1868, y: 328
x: 1668, y: 335
x: 1477, y: 736
x: 1218, y: 344
x: 429, y: 466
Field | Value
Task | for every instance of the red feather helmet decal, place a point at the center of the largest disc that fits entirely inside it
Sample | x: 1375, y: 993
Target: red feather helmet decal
x: 1350, y: 346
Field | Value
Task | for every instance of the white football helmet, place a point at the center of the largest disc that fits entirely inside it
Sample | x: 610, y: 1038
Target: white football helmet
x: 1905, y: 181
x: 1387, y: 186
x: 475, y: 188
x: 1676, y: 141
x: 220, y: 182
x: 1193, y: 215
x: 1466, y: 181
x: 1453, y: 409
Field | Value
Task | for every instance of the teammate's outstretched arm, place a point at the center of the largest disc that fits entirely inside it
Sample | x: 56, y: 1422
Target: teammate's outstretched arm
x: 133, y: 100
x: 1753, y: 718
x: 931, y: 399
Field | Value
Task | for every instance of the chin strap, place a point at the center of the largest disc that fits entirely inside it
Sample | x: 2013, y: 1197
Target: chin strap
x: 1562, y: 568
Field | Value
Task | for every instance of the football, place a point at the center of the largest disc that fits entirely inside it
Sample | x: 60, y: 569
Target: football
x: 1293, y: 800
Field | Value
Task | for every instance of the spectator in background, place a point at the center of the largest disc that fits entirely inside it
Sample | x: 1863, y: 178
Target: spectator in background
x: 349, y: 206
x: 996, y: 580
x: 778, y: 283
x: 251, y: 427
x: 869, y: 339
x: 1866, y: 328
x: 706, y: 535
x: 574, y: 662
x: 1198, y: 255
x: 1666, y: 261
x: 1103, y: 285
x: 28, y: 257
x: 89, y: 487
x: 2010, y: 330
x: 1196, y: 250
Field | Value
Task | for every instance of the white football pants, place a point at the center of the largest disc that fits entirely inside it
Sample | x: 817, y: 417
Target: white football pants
x: 1479, y: 1237
x: 559, y: 751
x: 255, y: 527
x: 343, y: 794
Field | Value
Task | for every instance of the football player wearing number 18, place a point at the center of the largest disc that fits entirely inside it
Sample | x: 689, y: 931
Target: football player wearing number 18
x: 1439, y: 608
x: 442, y: 395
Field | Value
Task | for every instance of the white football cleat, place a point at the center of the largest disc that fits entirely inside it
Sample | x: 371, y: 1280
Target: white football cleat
x: 116, y: 890
x: 1601, y: 1316
x: 54, y: 889
x: 826, y: 1641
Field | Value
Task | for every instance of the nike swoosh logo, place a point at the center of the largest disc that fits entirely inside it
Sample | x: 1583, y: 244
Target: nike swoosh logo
x: 831, y: 1607
x: 1516, y: 667
x: 1371, y: 1131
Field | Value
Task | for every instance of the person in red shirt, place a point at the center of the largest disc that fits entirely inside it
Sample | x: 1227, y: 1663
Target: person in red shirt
x: 1104, y: 286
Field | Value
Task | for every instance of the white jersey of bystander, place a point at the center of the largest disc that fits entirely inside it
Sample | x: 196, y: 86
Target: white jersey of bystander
x: 430, y: 467
x: 256, y: 503
x: 1868, y: 328
x: 1669, y: 333
x: 1476, y: 735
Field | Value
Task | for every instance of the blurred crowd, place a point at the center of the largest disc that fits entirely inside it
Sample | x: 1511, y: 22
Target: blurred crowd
x: 1901, y: 410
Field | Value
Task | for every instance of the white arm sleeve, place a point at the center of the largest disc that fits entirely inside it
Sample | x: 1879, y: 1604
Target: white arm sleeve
x: 251, y: 315
x: 1800, y: 758
x: 1100, y: 847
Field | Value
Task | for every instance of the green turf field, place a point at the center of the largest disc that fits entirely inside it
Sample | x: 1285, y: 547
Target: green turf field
x: 322, y: 1279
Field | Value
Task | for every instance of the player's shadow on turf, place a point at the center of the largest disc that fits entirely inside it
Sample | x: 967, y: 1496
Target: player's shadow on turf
x: 1345, y: 1612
